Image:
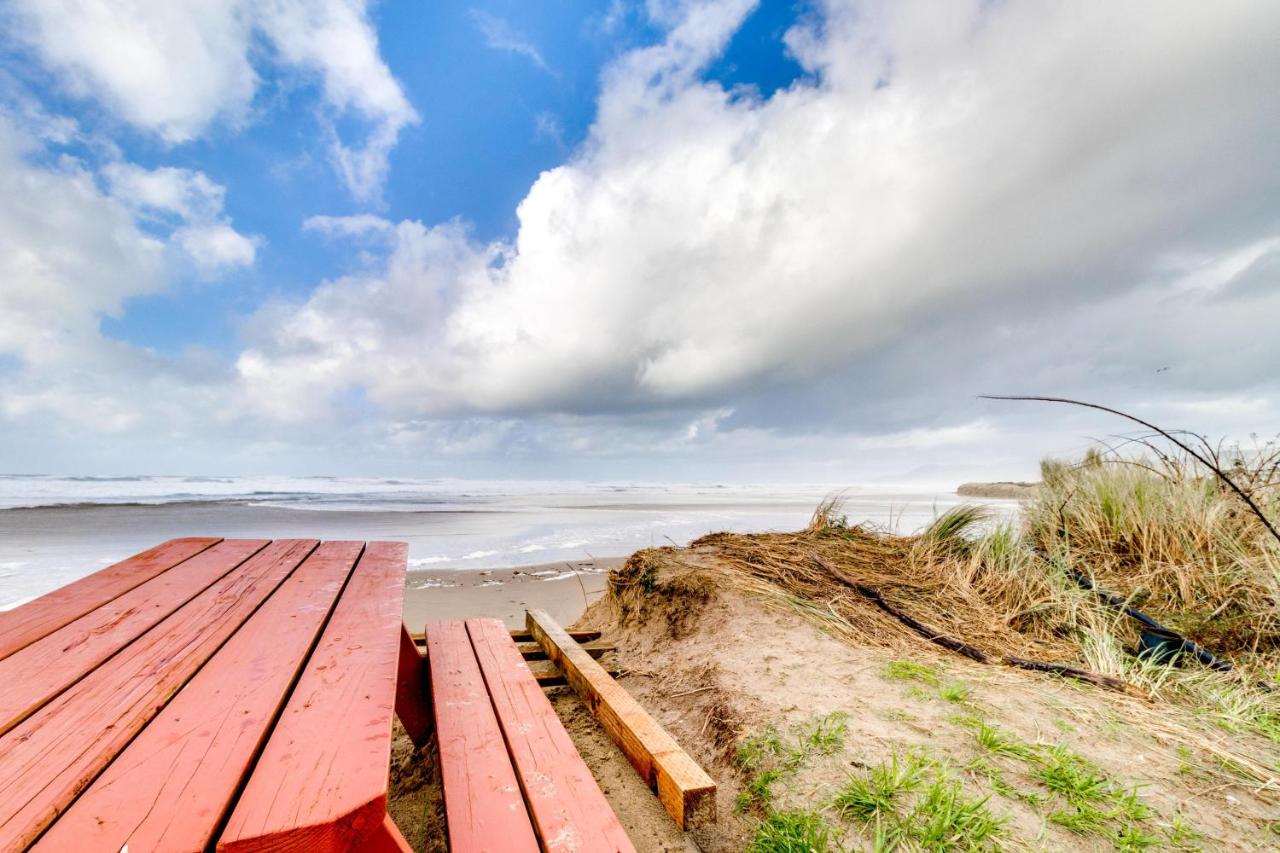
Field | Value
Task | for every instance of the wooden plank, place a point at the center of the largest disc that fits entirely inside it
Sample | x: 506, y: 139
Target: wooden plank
x: 547, y: 674
x: 321, y: 782
x: 685, y: 789
x: 483, y: 804
x: 413, y: 693
x: 48, y: 666
x: 520, y: 635
x: 23, y: 625
x: 53, y: 755
x: 171, y: 787
x: 569, y: 811
x: 534, y: 651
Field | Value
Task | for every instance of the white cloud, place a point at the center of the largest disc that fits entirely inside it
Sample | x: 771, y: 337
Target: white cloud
x: 174, y: 67
x: 949, y: 176
x: 349, y: 226
x: 216, y: 247
x: 195, y: 201
x: 68, y: 254
x: 499, y: 35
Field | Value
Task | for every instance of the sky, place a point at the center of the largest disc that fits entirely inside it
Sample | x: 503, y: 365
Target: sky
x: 716, y: 240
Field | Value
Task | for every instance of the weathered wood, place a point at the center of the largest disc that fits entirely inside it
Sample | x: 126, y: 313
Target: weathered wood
x: 171, y: 787
x: 49, y: 665
x: 522, y: 636
x: 49, y: 758
x: 321, y: 782
x: 413, y: 696
x: 526, y: 636
x: 683, y: 787
x: 569, y: 811
x: 547, y: 674
x: 483, y: 804
x: 23, y: 625
x: 534, y: 651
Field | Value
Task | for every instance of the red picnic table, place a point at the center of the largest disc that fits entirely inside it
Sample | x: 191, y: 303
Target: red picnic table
x: 209, y: 694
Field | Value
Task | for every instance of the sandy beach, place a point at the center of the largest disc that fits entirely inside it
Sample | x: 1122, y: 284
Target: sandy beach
x: 563, y: 589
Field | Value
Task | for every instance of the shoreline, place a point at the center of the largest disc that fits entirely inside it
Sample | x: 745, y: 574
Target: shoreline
x: 563, y: 588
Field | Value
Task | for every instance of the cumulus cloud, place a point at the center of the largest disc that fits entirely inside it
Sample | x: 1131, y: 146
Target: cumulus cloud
x: 193, y: 202
x: 68, y: 254
x: 969, y: 198
x: 174, y: 67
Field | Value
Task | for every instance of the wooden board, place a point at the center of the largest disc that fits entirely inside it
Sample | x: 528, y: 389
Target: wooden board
x: 569, y: 811
x: 686, y: 791
x: 534, y: 651
x: 172, y: 786
x: 23, y: 625
x: 520, y: 635
x: 413, y: 691
x: 483, y: 804
x: 87, y: 725
x: 321, y: 782
x: 49, y: 665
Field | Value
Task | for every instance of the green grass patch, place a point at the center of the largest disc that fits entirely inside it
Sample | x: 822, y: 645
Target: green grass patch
x: 791, y: 832
x: 906, y: 670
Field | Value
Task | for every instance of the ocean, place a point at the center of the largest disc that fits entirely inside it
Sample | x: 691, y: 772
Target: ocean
x: 54, y: 530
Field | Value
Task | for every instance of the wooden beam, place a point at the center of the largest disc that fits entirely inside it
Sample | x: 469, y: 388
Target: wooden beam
x: 684, y: 788
x: 522, y: 636
x: 547, y: 674
x: 534, y: 651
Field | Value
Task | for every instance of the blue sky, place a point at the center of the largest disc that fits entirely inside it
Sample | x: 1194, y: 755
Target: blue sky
x: 669, y: 238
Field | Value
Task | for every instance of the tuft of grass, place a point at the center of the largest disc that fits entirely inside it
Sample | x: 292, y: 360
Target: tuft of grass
x: 753, y: 752
x: 906, y: 670
x: 759, y: 791
x: 944, y: 818
x: 825, y: 735
x: 791, y: 832
x: 1083, y: 819
x: 999, y: 742
x: 1077, y: 779
x: 873, y: 793
x: 955, y: 691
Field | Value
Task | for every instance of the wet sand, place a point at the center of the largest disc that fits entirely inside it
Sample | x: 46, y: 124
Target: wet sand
x: 563, y: 589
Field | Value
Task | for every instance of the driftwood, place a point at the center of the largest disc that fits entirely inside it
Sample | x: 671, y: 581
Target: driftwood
x: 973, y: 652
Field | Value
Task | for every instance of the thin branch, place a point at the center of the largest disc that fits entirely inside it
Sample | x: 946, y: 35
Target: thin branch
x: 1244, y: 496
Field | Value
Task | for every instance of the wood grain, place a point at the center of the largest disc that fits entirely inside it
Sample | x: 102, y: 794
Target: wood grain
x: 171, y: 787
x: 484, y: 808
x: 23, y: 625
x: 48, y: 666
x: 569, y: 811
x: 53, y: 755
x: 684, y: 788
x: 321, y: 782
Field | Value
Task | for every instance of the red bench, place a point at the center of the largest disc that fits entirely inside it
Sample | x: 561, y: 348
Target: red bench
x: 513, y: 779
x: 236, y: 693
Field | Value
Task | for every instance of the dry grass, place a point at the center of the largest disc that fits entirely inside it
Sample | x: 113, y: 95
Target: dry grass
x: 1162, y: 535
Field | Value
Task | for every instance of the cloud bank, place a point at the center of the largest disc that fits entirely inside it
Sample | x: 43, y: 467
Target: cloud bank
x: 951, y: 200
x: 989, y: 197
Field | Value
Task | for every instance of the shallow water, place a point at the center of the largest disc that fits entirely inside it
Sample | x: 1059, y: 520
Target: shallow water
x: 54, y: 530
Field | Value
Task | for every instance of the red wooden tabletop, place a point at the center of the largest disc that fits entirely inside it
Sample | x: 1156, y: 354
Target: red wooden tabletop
x: 236, y: 693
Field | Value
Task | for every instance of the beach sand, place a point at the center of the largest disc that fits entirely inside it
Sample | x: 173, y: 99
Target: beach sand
x: 563, y: 589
